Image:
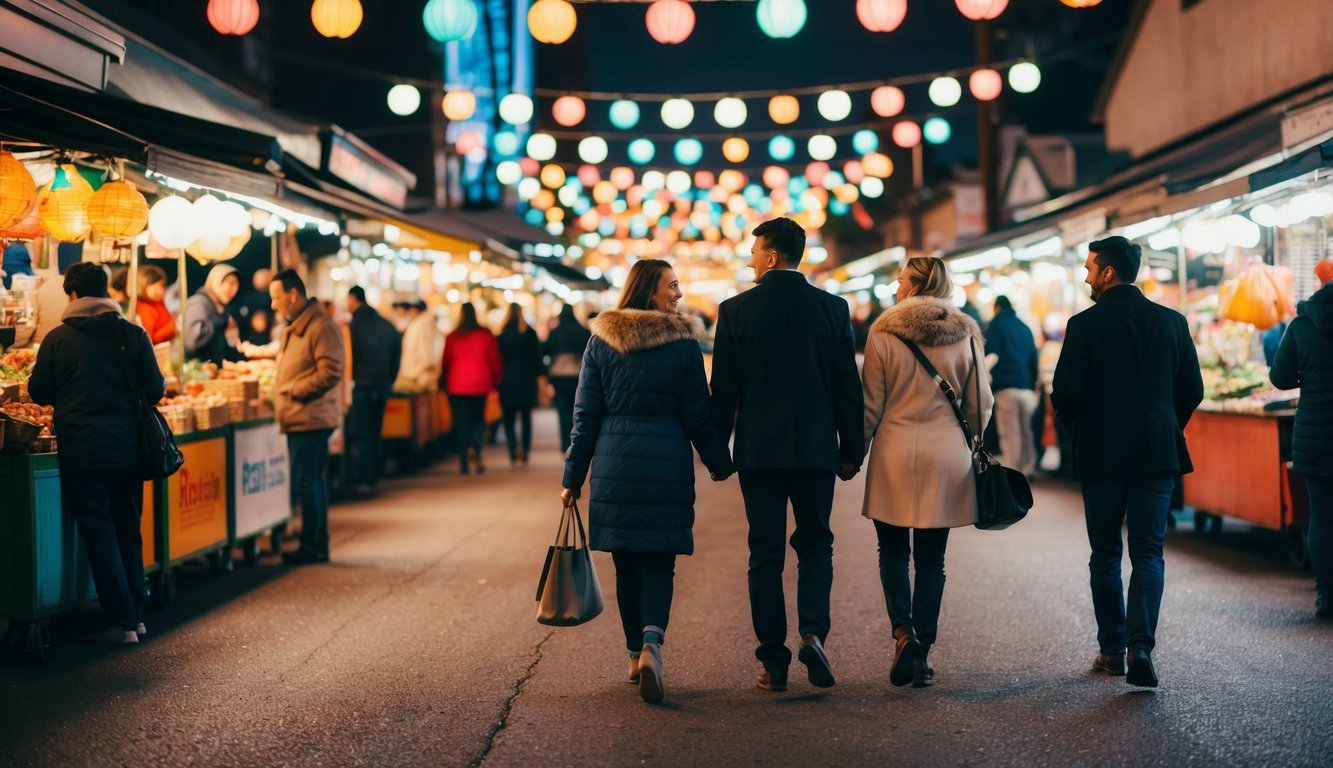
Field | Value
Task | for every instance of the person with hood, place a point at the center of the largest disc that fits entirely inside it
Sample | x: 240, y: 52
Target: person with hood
x: 642, y: 403
x: 206, y: 318
x: 1014, y: 382
x: 150, y: 308
x: 469, y: 370
x: 520, y: 355
x: 564, y: 355
x: 919, y: 479
x: 94, y: 368
x: 1305, y: 359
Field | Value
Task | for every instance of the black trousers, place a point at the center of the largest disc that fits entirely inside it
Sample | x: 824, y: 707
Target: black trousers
x: 365, y: 432
x: 645, y: 582
x: 106, y: 506
x: 566, y: 387
x: 469, y: 412
x: 767, y: 492
x: 919, y: 608
x: 514, y: 418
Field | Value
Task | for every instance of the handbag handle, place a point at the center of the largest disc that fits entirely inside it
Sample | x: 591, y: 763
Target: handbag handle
x: 569, y: 534
x: 973, y: 441
x: 125, y: 369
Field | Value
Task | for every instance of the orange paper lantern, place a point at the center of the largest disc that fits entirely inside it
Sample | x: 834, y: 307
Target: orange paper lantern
x: 784, y: 109
x: 569, y: 110
x: 735, y: 149
x: 118, y: 210
x: 63, y: 206
x: 552, y: 21
x: 985, y: 84
x: 1261, y: 296
x: 670, y: 21
x: 459, y: 105
x: 28, y: 227
x: 1081, y: 3
x: 233, y: 17
x: 881, y: 15
x: 336, y: 18
x: 17, y: 190
x: 887, y: 100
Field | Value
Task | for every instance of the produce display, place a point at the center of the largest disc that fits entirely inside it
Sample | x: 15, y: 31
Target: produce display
x: 31, y: 412
x: 17, y: 365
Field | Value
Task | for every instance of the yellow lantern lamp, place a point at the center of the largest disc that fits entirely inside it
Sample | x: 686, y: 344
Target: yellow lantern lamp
x: 336, y: 18
x: 18, y: 191
x: 118, y: 210
x: 784, y: 109
x: 459, y: 105
x: 553, y: 176
x: 63, y: 206
x: 28, y: 227
x: 735, y: 149
x: 552, y: 21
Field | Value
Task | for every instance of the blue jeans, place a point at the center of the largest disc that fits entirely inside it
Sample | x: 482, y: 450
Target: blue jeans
x: 310, y: 489
x: 1107, y: 506
x: 1320, y: 538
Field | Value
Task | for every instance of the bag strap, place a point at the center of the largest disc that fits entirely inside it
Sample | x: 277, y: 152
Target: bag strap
x: 125, y: 368
x: 947, y: 389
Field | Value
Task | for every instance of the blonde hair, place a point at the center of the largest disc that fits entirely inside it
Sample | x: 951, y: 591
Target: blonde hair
x: 927, y: 276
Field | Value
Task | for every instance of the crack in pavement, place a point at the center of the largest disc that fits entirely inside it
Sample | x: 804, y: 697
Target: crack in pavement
x: 519, y: 685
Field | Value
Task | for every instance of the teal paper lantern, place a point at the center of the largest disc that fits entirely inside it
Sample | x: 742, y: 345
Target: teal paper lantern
x: 865, y: 141
x: 624, y: 114
x: 838, y: 207
x: 535, y: 217
x: 936, y: 130
x: 506, y: 143
x: 781, y: 19
x: 689, y: 151
x: 641, y: 151
x: 450, y: 20
x: 781, y: 148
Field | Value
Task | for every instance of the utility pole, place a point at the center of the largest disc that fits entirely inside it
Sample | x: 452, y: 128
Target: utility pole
x: 986, y: 132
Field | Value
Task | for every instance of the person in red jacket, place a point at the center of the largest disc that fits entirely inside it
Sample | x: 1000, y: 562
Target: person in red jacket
x: 469, y: 371
x: 152, y: 313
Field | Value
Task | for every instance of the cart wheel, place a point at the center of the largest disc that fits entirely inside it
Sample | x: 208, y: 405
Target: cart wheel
x: 164, y: 589
x: 275, y: 538
x: 1207, y: 524
x: 35, y: 643
x: 219, y: 562
x: 1298, y: 547
x: 250, y: 551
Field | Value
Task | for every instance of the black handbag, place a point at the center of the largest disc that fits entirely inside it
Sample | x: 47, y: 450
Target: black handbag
x: 1003, y: 494
x: 159, y: 456
x: 568, y: 593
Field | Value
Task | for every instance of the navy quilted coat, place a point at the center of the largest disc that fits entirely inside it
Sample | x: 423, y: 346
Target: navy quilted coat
x: 1305, y: 359
x: 642, y: 402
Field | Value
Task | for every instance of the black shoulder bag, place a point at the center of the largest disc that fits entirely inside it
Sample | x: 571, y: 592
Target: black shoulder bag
x: 1003, y: 494
x: 159, y: 457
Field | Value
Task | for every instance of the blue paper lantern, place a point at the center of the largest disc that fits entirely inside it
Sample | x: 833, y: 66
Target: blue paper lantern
x: 865, y: 141
x: 781, y: 18
x: 797, y: 185
x: 638, y: 226
x: 838, y: 207
x: 641, y: 151
x: 936, y: 130
x: 624, y: 114
x: 535, y: 217
x: 689, y: 151
x: 506, y: 143
x: 781, y: 148
x: 450, y: 20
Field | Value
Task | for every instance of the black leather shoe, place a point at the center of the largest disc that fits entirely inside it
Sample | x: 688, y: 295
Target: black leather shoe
x: 772, y: 679
x: 300, y: 557
x: 651, y: 687
x: 923, y: 675
x: 1110, y: 663
x: 816, y: 663
x: 906, y: 650
x: 1140, y: 670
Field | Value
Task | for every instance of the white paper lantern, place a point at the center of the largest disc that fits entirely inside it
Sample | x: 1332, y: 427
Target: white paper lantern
x: 404, y: 99
x: 822, y: 147
x: 835, y: 105
x: 1024, y: 77
x: 508, y: 172
x: 730, y: 112
x: 945, y: 91
x: 593, y: 150
x: 541, y: 146
x: 677, y: 113
x: 172, y: 222
x: 516, y: 109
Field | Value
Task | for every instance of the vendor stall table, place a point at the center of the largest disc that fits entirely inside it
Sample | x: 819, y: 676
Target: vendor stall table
x: 194, y: 504
x: 261, y: 488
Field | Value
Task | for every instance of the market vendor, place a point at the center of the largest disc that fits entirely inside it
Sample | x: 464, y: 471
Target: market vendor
x: 151, y: 308
x: 207, y: 321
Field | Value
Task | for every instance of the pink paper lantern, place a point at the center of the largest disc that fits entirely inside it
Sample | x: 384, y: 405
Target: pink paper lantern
x: 468, y: 141
x: 815, y: 172
x: 233, y: 17
x: 589, y: 175
x: 622, y: 178
x: 881, y: 15
x: 569, y: 110
x: 985, y: 84
x: 982, y: 10
x: 906, y: 134
x: 704, y: 179
x: 776, y: 177
x: 529, y: 167
x: 887, y: 100
x: 670, y: 21
x: 853, y: 171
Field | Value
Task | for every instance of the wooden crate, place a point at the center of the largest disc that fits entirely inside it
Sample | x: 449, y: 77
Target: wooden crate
x: 210, y: 417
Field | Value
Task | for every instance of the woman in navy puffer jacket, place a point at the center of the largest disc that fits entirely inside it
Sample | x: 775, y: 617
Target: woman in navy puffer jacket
x: 642, y: 402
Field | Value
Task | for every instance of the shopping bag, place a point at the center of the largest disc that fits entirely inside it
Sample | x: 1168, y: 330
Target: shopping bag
x: 493, y: 410
x: 568, y: 593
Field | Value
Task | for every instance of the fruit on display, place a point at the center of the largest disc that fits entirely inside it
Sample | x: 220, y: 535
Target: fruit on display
x: 17, y: 365
x: 37, y: 414
x: 1262, y: 296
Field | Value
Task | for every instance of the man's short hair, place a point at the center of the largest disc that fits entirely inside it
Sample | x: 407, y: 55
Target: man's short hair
x: 358, y: 292
x: 1002, y: 303
x: 86, y: 279
x: 784, y: 236
x: 291, y: 282
x: 1119, y: 254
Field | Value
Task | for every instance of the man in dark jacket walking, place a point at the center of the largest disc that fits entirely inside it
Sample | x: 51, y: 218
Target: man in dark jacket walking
x: 376, y: 354
x: 1014, y: 382
x: 1127, y: 382
x: 784, y: 378
x: 94, y: 368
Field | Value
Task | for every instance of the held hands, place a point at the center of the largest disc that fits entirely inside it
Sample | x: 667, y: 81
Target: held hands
x: 719, y: 476
x: 569, y: 496
x: 848, y: 470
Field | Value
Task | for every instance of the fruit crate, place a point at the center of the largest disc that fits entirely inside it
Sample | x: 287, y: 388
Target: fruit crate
x: 179, y: 418
x: 44, y: 444
x: 210, y: 417
x: 19, y: 434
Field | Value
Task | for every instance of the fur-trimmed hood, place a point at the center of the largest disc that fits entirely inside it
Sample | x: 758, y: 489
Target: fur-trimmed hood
x: 632, y: 330
x: 928, y: 321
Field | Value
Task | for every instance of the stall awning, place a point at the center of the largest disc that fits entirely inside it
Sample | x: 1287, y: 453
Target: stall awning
x: 1312, y: 159
x: 505, y: 225
x: 59, y: 42
x: 570, y: 276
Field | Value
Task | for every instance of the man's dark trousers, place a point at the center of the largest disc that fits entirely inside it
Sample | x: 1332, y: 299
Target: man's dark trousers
x: 1142, y: 504
x: 310, y: 489
x: 106, y: 506
x: 767, y: 492
x: 365, y: 432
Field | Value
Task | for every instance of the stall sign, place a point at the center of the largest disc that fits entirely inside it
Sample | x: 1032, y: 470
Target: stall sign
x: 197, y: 498
x: 148, y: 524
x: 397, y: 419
x: 262, y: 482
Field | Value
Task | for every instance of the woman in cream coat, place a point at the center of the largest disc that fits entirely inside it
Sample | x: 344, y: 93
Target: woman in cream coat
x: 919, y: 480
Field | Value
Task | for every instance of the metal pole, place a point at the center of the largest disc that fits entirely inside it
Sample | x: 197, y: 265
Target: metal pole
x: 1182, y: 271
x: 180, y: 329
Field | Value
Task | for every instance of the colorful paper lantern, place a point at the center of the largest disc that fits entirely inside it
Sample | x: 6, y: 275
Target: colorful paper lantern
x: 822, y: 147
x: 936, y: 130
x: 404, y: 99
x: 881, y: 15
x: 593, y: 150
x: 945, y: 91
x: 641, y: 151
x: 469, y: 141
x: 233, y: 17
x: 853, y: 171
x: 449, y: 20
x: 730, y: 112
x: 529, y: 166
x: 985, y: 84
x: 553, y: 176
x: 28, y: 227
x: 516, y: 109
x: 834, y: 105
x: 459, y: 105
x: 541, y: 146
x: 1024, y: 77
x: 670, y: 21
x: 781, y: 19
x: 588, y: 175
x: 18, y: 191
x: 816, y: 171
x: 569, y: 110
x: 508, y: 172
x: 982, y: 10
x: 336, y: 18
x: 776, y: 177
x: 887, y: 100
x: 505, y: 143
x: 688, y: 151
x: 552, y: 21
x: 624, y: 114
x: 63, y: 206
x: 781, y: 148
x: 1081, y: 3
x: 784, y: 109
x: 704, y: 179
x: 677, y: 113
x: 172, y: 223
x: 736, y: 149
x: 872, y: 187
x: 865, y: 141
x: 906, y: 134
x: 622, y: 178
x: 878, y: 165
x: 118, y: 210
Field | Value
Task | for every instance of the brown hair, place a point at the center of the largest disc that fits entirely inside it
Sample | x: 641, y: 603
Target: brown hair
x: 928, y: 276
x: 150, y: 275
x: 642, y: 284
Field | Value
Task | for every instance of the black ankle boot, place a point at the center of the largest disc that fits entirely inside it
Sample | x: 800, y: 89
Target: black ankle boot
x: 906, y: 650
x: 923, y: 674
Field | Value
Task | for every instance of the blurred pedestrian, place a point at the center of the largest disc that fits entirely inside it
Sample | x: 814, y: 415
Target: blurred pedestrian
x: 376, y: 353
x: 150, y: 308
x: 207, y: 322
x: 469, y: 371
x: 420, y: 369
x: 642, y: 402
x: 920, y: 481
x: 1127, y: 383
x: 1305, y: 359
x: 249, y: 306
x: 564, y: 358
x: 784, y: 376
x: 1013, y: 379
x: 307, y: 405
x: 521, y: 357
x: 84, y: 369
x: 118, y: 288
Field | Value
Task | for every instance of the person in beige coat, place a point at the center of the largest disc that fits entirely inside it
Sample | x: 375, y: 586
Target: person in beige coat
x: 919, y: 480
x: 307, y: 403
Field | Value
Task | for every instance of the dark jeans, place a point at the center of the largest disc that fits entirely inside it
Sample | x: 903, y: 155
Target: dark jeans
x: 310, y: 488
x: 106, y: 505
x: 365, y: 430
x: 469, y: 413
x: 644, y: 585
x: 919, y: 609
x: 1320, y: 537
x: 766, y: 493
x: 566, y: 387
x: 1107, y: 506
x: 524, y: 418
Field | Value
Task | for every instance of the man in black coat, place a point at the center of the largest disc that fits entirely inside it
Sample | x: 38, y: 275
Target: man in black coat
x: 95, y: 367
x: 784, y: 377
x: 1126, y: 384
x: 376, y: 354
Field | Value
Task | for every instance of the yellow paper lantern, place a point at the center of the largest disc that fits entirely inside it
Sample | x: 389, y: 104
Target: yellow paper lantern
x: 877, y: 164
x: 784, y: 109
x: 604, y: 192
x: 118, y: 210
x: 553, y: 176
x: 63, y: 206
x: 17, y: 190
x: 459, y: 105
x: 336, y: 18
x: 552, y: 21
x: 735, y: 149
x: 217, y: 248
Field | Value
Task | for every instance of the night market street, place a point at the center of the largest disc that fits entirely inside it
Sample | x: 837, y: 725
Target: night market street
x: 417, y: 646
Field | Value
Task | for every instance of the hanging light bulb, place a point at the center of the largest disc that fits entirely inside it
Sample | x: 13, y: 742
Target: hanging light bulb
x: 516, y: 109
x: 730, y: 112
x: 781, y: 19
x: 449, y: 20
x: 945, y: 91
x: 552, y: 21
x: 677, y: 113
x: 670, y: 21
x: 404, y: 99
x: 834, y: 105
x: 624, y: 114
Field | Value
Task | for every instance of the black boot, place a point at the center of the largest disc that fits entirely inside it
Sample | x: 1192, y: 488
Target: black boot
x: 923, y: 675
x: 906, y: 650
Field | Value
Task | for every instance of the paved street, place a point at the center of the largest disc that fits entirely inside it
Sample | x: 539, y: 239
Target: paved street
x: 417, y: 647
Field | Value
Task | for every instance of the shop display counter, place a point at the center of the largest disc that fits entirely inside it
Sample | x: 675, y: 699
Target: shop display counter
x: 193, y: 522
x: 260, y: 487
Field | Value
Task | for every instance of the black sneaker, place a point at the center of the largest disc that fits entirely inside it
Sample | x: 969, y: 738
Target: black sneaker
x: 1110, y: 663
x: 1140, y: 670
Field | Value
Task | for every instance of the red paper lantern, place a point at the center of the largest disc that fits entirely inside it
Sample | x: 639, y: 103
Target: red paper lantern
x: 569, y: 110
x: 233, y: 17
x: 881, y: 15
x: 670, y: 21
x: 985, y: 84
x: 29, y: 227
x: 887, y: 100
x: 982, y: 10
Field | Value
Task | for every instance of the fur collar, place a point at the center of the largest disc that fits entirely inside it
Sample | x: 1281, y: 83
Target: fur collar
x: 928, y: 321
x: 632, y: 330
